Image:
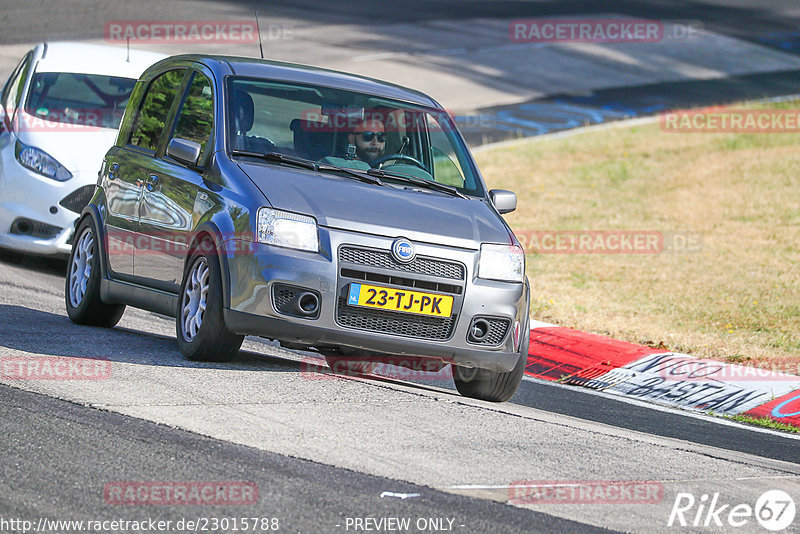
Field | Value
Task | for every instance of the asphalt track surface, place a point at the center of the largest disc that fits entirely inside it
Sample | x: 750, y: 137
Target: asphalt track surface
x: 576, y: 402
x: 82, y: 19
x: 43, y: 477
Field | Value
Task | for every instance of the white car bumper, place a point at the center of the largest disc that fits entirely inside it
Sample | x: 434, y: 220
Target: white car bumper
x: 33, y: 217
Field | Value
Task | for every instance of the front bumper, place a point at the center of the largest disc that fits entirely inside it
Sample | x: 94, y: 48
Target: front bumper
x: 254, y: 270
x: 33, y: 202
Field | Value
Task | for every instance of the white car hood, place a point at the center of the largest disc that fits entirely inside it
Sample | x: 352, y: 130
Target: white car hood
x: 80, y: 150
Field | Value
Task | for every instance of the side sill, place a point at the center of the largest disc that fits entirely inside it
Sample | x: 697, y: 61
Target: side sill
x: 154, y: 300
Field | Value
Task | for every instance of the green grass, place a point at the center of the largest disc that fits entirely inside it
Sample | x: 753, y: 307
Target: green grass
x: 764, y: 422
x: 734, y: 298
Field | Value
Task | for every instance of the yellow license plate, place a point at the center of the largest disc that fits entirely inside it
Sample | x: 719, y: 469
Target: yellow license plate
x: 402, y: 300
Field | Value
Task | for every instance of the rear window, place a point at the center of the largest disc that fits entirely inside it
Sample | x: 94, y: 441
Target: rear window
x: 80, y: 99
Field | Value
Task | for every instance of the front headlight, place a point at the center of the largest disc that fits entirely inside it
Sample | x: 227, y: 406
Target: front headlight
x: 285, y: 229
x: 41, y: 162
x: 502, y: 262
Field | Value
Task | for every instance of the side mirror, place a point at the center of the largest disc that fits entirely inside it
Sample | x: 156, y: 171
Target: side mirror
x: 184, y: 150
x: 504, y: 201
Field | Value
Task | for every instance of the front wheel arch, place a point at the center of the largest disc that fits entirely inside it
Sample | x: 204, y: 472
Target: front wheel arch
x: 90, y: 212
x: 211, y: 339
x: 491, y: 385
x: 210, y: 233
x: 89, y: 308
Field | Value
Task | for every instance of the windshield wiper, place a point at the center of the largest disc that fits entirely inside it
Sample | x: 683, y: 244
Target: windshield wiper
x: 308, y: 164
x: 278, y: 157
x: 421, y: 182
x: 360, y: 175
x: 372, y: 176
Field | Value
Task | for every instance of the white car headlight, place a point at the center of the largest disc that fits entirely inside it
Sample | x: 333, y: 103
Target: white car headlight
x: 285, y: 229
x: 41, y: 162
x: 502, y: 262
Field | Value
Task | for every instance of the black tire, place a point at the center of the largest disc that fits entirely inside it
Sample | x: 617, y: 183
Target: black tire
x: 490, y: 385
x: 84, y: 306
x: 211, y: 341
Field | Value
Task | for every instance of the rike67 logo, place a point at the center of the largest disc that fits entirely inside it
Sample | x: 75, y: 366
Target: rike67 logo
x: 774, y: 510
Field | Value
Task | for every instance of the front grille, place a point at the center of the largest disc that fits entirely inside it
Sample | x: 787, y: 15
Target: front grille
x: 78, y: 199
x: 395, y: 323
x: 402, y: 281
x: 23, y: 226
x: 419, y: 265
x: 498, y: 328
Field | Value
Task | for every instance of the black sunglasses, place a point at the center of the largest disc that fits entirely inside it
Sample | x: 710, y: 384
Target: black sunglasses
x: 368, y: 136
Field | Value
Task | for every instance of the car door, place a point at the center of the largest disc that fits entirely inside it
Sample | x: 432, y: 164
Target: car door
x: 173, y: 190
x: 127, y: 170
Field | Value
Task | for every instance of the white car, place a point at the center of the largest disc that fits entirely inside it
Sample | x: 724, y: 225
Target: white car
x: 59, y: 113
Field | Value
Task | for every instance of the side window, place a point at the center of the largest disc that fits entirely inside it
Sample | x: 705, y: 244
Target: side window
x: 153, y: 114
x: 13, y: 89
x: 197, y: 114
x: 446, y: 167
x: 397, y: 124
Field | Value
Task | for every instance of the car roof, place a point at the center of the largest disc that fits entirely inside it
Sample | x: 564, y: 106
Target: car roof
x: 95, y: 59
x: 292, y: 72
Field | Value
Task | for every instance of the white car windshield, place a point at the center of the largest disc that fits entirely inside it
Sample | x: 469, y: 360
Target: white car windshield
x: 80, y: 99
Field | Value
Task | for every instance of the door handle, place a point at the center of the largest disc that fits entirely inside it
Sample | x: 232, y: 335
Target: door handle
x: 112, y: 171
x: 152, y: 182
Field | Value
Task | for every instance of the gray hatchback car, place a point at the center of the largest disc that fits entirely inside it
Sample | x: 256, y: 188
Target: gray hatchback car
x: 330, y: 212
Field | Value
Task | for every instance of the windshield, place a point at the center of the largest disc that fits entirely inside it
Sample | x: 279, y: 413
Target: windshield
x: 348, y: 130
x: 81, y: 99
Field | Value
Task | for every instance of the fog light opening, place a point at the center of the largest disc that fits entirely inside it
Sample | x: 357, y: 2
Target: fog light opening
x: 306, y: 304
x: 478, y: 330
x: 21, y: 226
